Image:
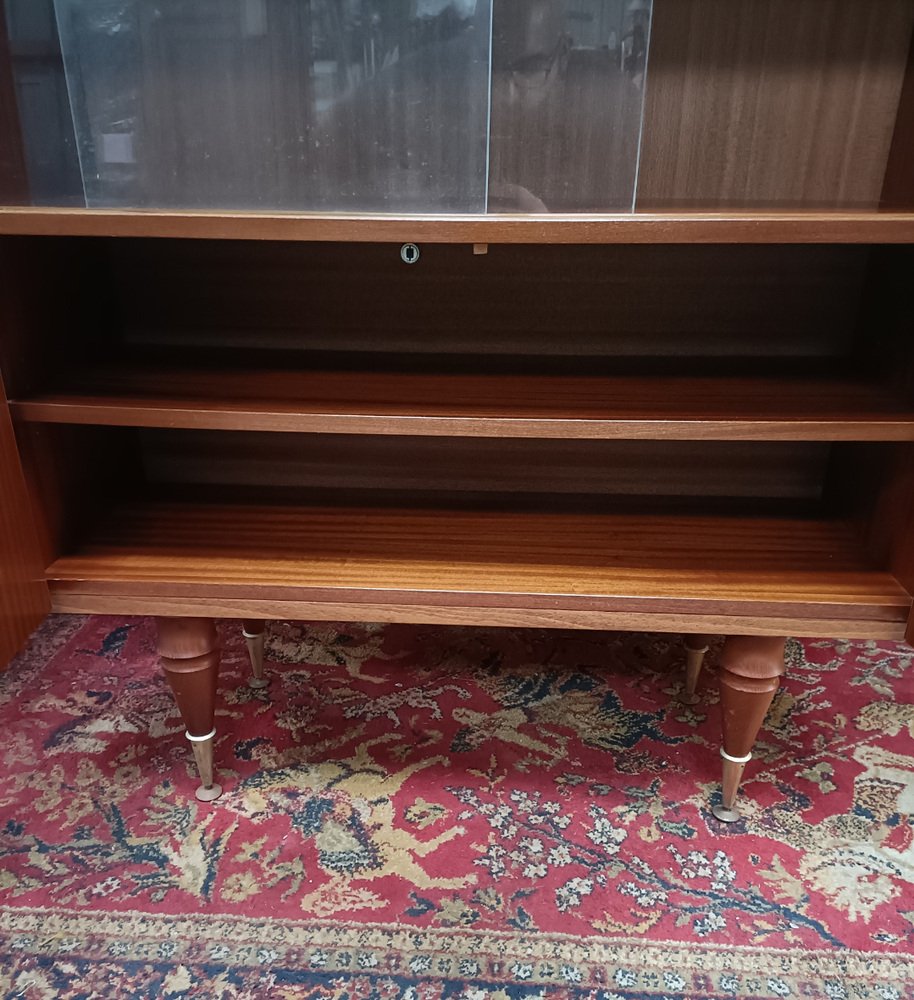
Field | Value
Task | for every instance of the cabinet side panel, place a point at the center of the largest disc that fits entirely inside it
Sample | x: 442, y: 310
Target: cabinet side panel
x: 772, y: 103
x: 24, y: 599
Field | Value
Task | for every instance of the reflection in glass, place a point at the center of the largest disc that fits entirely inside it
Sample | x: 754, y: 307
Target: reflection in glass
x: 567, y: 94
x: 377, y: 105
x: 41, y: 135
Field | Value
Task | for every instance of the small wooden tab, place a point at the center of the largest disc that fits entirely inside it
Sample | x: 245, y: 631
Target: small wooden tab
x: 480, y: 248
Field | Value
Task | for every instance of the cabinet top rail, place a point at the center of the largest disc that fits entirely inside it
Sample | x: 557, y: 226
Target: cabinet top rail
x: 692, y: 227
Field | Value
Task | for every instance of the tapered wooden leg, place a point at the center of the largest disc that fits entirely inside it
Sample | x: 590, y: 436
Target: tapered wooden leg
x: 749, y: 675
x: 253, y: 636
x: 189, y: 653
x: 695, y: 647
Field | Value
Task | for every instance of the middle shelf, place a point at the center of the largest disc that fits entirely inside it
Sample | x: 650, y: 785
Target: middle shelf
x: 830, y: 407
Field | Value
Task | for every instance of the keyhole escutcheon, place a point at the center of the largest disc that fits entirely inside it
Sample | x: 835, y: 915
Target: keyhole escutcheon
x: 409, y: 253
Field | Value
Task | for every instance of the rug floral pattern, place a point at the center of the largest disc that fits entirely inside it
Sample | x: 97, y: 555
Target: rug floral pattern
x: 425, y: 812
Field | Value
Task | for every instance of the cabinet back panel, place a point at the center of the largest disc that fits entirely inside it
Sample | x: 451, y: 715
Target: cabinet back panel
x: 771, y: 102
x: 794, y: 470
x: 745, y: 301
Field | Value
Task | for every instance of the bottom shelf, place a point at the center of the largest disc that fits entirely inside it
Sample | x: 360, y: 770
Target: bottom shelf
x: 685, y: 572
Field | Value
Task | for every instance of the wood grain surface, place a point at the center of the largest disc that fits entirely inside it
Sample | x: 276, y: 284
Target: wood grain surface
x: 24, y: 599
x: 771, y: 103
x: 67, y: 601
x: 515, y: 304
x: 780, y: 567
x: 688, y: 408
x: 537, y: 473
x: 644, y: 227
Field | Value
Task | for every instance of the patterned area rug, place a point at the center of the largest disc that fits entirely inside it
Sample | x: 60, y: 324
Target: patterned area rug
x: 427, y: 813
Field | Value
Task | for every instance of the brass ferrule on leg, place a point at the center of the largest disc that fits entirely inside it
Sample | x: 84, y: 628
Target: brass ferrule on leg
x: 203, y: 755
x: 733, y: 769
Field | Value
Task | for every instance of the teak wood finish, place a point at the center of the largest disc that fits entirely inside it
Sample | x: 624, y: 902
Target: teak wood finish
x: 697, y: 421
x: 747, y: 110
x: 24, y: 599
x: 682, y: 227
x: 189, y: 652
x: 499, y: 406
x: 748, y: 567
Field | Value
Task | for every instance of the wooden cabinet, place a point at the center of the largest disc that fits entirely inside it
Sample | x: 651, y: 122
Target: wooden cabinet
x: 678, y: 437
x: 690, y: 422
x: 635, y: 431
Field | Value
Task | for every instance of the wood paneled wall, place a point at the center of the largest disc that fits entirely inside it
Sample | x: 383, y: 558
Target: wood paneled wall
x: 771, y: 102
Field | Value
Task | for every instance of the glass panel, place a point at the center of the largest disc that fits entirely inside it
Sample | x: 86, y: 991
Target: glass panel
x: 460, y: 106
x: 568, y: 84
x: 43, y: 139
x: 329, y: 105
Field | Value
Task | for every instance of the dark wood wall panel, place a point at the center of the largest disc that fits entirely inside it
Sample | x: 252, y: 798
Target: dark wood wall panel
x: 303, y: 463
x: 675, y: 301
x: 69, y: 479
x: 771, y: 102
x: 57, y: 305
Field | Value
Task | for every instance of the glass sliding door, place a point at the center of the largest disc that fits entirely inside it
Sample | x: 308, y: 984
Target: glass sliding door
x: 568, y: 82
x: 456, y: 106
x: 38, y: 154
x: 328, y: 105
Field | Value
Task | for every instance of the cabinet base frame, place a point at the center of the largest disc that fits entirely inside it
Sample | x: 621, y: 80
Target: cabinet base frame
x: 73, y: 602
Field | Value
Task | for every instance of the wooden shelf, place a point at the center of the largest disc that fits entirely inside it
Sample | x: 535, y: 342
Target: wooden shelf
x: 775, y: 574
x: 679, y: 227
x: 516, y: 406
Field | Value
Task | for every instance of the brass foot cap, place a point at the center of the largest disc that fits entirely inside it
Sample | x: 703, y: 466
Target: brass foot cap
x: 689, y: 699
x: 208, y: 793
x: 258, y: 683
x: 725, y: 814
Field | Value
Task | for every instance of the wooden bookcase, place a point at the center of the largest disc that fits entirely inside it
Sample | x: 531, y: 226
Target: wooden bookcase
x: 693, y: 421
x: 610, y: 434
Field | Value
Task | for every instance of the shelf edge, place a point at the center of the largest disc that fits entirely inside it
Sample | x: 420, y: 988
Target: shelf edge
x: 225, y: 607
x: 694, y: 227
x: 210, y: 417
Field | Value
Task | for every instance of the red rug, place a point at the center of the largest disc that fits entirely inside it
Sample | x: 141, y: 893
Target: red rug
x: 428, y: 813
